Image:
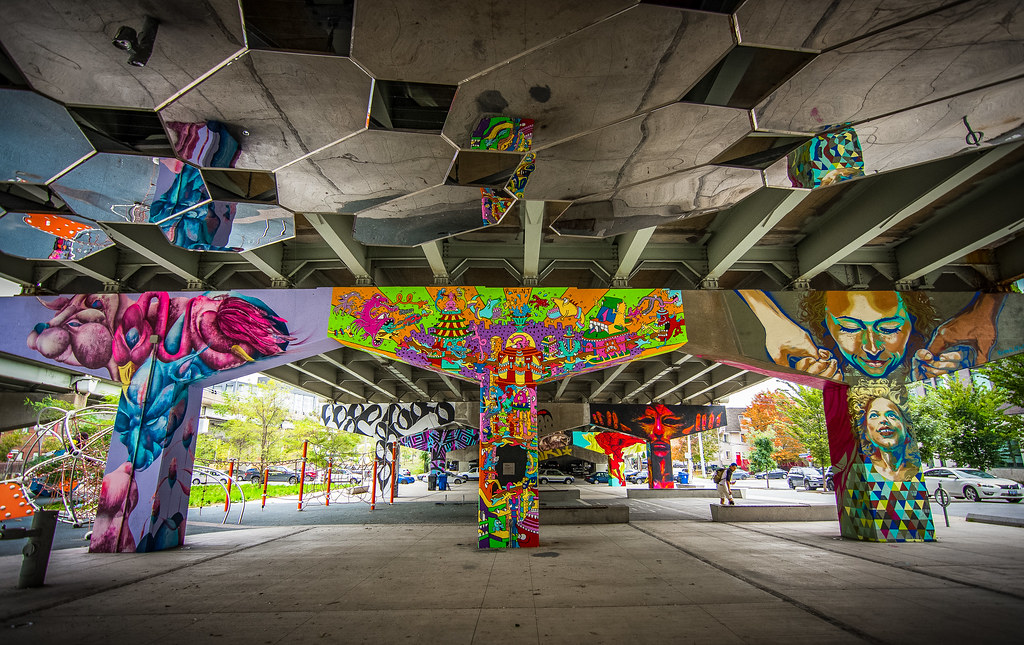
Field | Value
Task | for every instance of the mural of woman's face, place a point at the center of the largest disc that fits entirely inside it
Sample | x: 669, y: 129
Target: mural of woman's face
x: 884, y: 424
x: 871, y: 329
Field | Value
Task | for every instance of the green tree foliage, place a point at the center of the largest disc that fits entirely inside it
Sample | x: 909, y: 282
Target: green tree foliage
x: 927, y: 423
x: 1008, y: 375
x: 761, y: 455
x: 254, y: 429
x: 330, y: 443
x: 805, y: 410
x: 973, y: 426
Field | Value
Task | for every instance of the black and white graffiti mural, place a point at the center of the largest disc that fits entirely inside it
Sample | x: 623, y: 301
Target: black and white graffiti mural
x: 387, y: 423
x: 439, y: 442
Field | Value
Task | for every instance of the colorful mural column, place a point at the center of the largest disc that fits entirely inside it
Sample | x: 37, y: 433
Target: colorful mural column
x: 509, y: 341
x: 162, y: 348
x: 864, y: 346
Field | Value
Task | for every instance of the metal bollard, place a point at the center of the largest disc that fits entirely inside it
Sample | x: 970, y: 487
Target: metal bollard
x: 37, y: 550
x: 942, y: 498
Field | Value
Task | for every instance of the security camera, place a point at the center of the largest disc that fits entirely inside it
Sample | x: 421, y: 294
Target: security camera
x: 138, y: 45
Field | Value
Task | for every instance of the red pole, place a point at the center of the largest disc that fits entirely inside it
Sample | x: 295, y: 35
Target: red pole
x: 266, y: 475
x: 373, y: 494
x: 327, y: 498
x: 302, y: 475
x: 394, y: 470
x: 231, y: 473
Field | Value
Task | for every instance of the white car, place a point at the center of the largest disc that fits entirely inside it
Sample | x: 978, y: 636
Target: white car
x: 550, y: 474
x: 972, y: 484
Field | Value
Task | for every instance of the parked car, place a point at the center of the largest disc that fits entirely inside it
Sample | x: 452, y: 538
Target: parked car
x: 776, y: 473
x: 598, y: 478
x: 406, y: 479
x: 205, y: 478
x: 468, y: 475
x: 809, y: 478
x: 551, y: 474
x: 311, y: 473
x: 739, y: 474
x: 972, y: 484
x: 274, y: 474
x: 345, y: 476
x: 830, y: 484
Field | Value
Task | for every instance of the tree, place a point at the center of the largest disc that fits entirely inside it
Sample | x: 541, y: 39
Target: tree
x: 761, y: 455
x: 805, y: 410
x: 974, y: 426
x: 255, y: 419
x: 765, y: 415
x: 926, y: 423
x: 330, y: 443
x: 1008, y: 375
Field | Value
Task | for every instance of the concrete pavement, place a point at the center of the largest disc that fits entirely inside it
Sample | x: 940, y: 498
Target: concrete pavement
x: 668, y: 580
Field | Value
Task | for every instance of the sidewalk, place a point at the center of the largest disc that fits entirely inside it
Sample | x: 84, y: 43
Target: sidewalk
x: 645, y: 582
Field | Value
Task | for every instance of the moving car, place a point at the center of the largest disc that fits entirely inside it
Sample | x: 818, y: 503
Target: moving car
x: 551, y: 474
x: 776, y: 473
x: 809, y: 478
x: 972, y: 484
x: 598, y: 478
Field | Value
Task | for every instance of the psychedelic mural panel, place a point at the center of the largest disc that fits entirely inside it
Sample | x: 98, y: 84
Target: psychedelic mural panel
x: 157, y: 345
x: 509, y: 341
x: 827, y: 159
x: 658, y: 425
x: 439, y: 442
x: 869, y: 344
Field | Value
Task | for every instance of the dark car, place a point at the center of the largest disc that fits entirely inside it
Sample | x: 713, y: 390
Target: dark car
x: 274, y: 474
x: 598, y: 478
x: 776, y: 473
x: 809, y: 478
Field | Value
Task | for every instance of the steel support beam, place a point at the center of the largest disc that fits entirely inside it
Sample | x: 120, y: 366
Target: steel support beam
x: 336, y: 230
x: 871, y: 208
x: 149, y: 241
x: 631, y: 247
x: 983, y: 216
x: 746, y: 223
x: 435, y: 258
x: 532, y: 212
x: 269, y: 259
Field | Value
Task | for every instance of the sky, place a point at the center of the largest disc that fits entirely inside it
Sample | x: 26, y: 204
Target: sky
x: 742, y: 398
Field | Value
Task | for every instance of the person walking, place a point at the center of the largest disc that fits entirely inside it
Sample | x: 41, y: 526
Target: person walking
x: 723, y: 478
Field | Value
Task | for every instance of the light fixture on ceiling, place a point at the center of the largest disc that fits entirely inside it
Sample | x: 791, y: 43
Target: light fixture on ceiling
x: 85, y: 385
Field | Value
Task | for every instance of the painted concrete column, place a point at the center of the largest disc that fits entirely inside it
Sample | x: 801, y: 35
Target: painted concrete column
x: 509, y: 513
x: 880, y: 495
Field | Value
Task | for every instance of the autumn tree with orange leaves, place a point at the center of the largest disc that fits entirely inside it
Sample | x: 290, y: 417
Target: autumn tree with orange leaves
x: 765, y: 415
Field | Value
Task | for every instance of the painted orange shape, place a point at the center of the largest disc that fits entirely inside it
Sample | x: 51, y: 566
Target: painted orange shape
x: 56, y: 225
x: 14, y: 502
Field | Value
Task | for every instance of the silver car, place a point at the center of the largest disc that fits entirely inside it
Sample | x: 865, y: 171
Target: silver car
x: 973, y: 485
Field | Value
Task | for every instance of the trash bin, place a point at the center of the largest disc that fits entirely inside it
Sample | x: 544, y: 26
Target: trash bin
x: 432, y: 481
x: 442, y: 481
x: 683, y: 477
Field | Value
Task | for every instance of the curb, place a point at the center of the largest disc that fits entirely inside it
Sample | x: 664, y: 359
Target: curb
x: 995, y: 519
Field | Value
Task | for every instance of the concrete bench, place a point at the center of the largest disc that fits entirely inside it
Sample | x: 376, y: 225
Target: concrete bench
x: 559, y: 495
x: 773, y: 513
x: 651, y: 493
x: 551, y: 515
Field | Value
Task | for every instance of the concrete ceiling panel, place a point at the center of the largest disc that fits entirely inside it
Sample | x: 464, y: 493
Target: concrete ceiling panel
x: 47, y: 236
x: 799, y: 24
x: 289, y: 104
x: 364, y: 171
x: 667, y: 140
x: 948, y: 52
x: 38, y: 138
x: 410, y: 40
x: 934, y: 131
x: 131, y: 188
x: 661, y: 201
x: 637, y: 60
x: 432, y: 214
x: 64, y: 48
